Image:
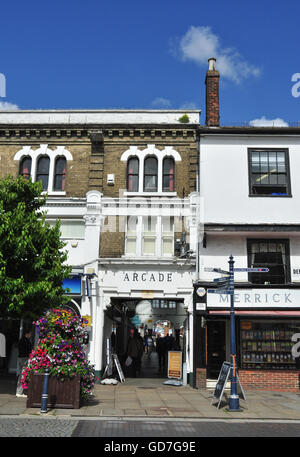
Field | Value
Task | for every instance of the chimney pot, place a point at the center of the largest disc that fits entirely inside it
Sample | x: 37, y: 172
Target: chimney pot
x: 211, y: 64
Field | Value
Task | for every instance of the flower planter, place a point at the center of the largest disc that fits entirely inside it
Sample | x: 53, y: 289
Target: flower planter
x: 61, y: 394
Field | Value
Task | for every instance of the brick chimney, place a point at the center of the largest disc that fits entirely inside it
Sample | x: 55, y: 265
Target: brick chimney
x: 212, y: 94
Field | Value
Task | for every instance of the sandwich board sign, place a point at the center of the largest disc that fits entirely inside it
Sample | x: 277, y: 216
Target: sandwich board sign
x: 222, y: 381
x: 118, y: 367
x: 175, y: 364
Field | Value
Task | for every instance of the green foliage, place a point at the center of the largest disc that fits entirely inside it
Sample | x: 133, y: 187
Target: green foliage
x: 184, y: 119
x: 32, y: 261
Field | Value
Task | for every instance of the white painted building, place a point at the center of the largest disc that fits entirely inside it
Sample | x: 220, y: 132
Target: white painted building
x: 251, y: 194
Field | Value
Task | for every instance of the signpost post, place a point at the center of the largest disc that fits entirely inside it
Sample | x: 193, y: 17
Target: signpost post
x: 227, y: 284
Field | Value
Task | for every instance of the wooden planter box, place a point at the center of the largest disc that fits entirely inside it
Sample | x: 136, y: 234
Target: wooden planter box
x: 61, y: 394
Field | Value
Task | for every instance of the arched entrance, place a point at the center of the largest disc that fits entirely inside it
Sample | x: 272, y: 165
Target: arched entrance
x: 149, y: 317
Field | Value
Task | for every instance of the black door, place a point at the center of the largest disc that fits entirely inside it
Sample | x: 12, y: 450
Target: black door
x: 216, y: 348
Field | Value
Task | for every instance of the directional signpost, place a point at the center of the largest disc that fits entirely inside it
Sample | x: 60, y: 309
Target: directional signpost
x: 226, y: 286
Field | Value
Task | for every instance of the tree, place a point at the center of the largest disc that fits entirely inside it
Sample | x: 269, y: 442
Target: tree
x: 32, y: 260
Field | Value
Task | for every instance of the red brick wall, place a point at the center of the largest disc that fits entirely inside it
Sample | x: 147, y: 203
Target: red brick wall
x: 200, y: 378
x: 212, y: 98
x: 275, y: 380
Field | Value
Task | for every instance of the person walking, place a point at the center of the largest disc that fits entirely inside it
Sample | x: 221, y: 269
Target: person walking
x: 135, y: 350
x: 146, y: 343
x: 161, y: 350
x: 24, y: 348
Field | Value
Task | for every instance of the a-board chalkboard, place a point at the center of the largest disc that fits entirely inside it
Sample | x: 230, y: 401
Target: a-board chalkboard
x: 221, y: 383
x: 118, y: 366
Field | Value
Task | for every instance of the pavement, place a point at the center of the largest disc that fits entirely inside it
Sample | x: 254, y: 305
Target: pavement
x: 146, y: 398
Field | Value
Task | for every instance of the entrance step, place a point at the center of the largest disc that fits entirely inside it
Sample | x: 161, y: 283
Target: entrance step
x: 211, y: 384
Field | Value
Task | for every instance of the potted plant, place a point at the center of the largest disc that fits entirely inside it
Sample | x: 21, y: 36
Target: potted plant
x: 60, y: 350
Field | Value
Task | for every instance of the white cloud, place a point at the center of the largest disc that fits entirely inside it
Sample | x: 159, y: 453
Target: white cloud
x: 161, y: 102
x: 189, y: 105
x: 7, y: 106
x: 264, y: 122
x: 200, y: 43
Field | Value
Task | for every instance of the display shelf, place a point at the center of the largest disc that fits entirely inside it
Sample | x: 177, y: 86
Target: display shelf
x: 267, y: 348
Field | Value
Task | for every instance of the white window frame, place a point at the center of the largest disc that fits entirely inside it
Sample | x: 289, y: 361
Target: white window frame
x: 150, y: 150
x: 43, y: 150
x: 140, y: 239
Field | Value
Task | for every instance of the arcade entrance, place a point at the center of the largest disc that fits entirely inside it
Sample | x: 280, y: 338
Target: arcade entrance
x: 157, y: 324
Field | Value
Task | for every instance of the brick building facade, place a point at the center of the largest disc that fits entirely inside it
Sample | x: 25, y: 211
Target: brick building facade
x: 82, y: 159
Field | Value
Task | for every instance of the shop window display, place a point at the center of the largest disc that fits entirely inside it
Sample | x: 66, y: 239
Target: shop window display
x: 268, y: 345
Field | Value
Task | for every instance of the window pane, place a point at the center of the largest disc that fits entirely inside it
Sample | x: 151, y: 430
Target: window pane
x: 43, y: 165
x: 268, y: 173
x: 168, y: 174
x: 72, y: 229
x: 167, y: 246
x: 150, y: 174
x: 43, y: 171
x: 131, y: 245
x: 149, y: 224
x: 25, y: 167
x: 151, y: 166
x: 133, y: 166
x: 264, y: 162
x: 133, y: 175
x: 281, y: 162
x: 132, y: 224
x: 133, y: 183
x: 149, y: 245
x: 270, y: 254
x: 272, y: 162
x: 151, y: 183
x: 167, y: 224
x: 60, y: 165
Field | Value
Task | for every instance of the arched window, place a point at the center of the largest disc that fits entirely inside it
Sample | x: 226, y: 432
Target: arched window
x: 168, y: 174
x: 60, y: 174
x: 25, y: 167
x: 133, y: 174
x: 42, y: 172
x: 150, y: 174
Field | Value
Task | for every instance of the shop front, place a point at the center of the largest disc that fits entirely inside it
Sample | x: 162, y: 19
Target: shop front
x: 267, y: 322
x: 141, y: 294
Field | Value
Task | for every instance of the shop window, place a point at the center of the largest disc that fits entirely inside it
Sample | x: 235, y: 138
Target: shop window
x: 168, y: 174
x: 60, y: 174
x: 25, y: 167
x: 267, y: 345
x: 133, y: 174
x: 42, y: 173
x: 269, y: 172
x: 150, y: 174
x: 272, y: 254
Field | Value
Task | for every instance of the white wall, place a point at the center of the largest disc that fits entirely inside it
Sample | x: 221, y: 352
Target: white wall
x: 220, y: 247
x: 224, y: 182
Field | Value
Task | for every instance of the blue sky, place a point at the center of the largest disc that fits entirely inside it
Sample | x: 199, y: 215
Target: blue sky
x: 136, y: 54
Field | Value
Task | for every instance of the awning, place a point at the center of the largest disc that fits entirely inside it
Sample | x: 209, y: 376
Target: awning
x: 256, y: 313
